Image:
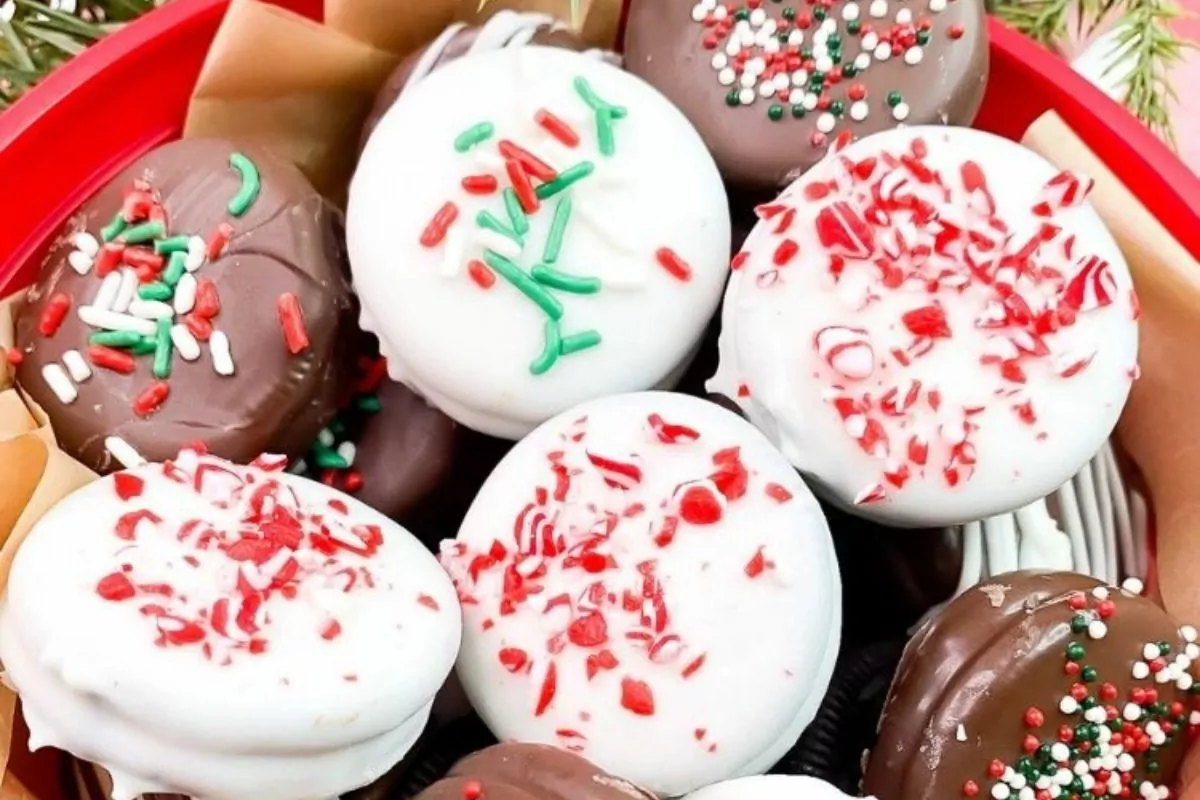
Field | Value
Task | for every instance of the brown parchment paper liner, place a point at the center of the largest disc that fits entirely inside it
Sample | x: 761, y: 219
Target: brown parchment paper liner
x: 598, y: 22
x: 1159, y: 428
x: 34, y: 475
x: 303, y: 89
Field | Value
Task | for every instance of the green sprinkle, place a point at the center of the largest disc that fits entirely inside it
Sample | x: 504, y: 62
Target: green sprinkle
x: 155, y: 291
x: 565, y: 179
x: 145, y: 346
x: 819, y: 12
x: 732, y: 99
x: 369, y: 404
x: 554, y: 240
x: 115, y: 338
x: 551, y: 277
x: 524, y: 284
x: 849, y: 71
x: 146, y: 232
x: 474, y: 135
x: 894, y: 98
x: 251, y: 184
x: 1075, y: 652
x: 516, y: 214
x: 176, y: 266
x: 113, y: 229
x: 580, y: 341
x: 775, y: 112
x: 162, y: 350
x: 798, y: 111
x: 606, y: 114
x: 604, y: 133
x: 549, y: 355
x: 922, y: 37
x: 171, y: 245
x: 327, y: 458
x: 486, y: 219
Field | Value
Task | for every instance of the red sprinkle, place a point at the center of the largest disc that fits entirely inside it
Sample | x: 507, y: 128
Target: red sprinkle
x: 778, y: 493
x: 480, y: 184
x: 534, y: 166
x: 700, y: 506
x: 479, y: 272
x: 54, y: 314
x: 557, y: 128
x: 150, y: 400
x: 521, y: 184
x: 117, y: 361
x: 219, y: 241
x: 291, y: 318
x: 128, y: 486
x: 199, y: 327
x: 428, y: 602
x: 549, y: 687
x: 513, y: 659
x: 472, y: 790
x: 436, y: 230
x: 785, y: 252
x: 208, y: 301
x: 115, y: 587
x: 143, y: 260
x: 109, y: 258
x: 694, y: 667
x: 669, y: 260
x: 332, y: 630
x: 929, y: 321
x: 637, y: 697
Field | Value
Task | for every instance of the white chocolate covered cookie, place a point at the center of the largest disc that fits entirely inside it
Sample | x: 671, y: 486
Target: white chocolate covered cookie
x: 530, y: 228
x: 647, y: 582
x: 933, y: 325
x: 770, y: 787
x: 226, y: 632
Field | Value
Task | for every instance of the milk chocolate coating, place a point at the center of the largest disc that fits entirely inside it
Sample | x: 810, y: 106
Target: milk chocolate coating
x: 290, y: 240
x: 457, y: 47
x: 756, y: 154
x: 531, y: 772
x: 997, y: 650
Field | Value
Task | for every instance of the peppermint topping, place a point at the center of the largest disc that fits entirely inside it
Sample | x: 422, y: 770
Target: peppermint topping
x: 932, y: 250
x: 581, y: 561
x: 1103, y: 741
x: 211, y: 581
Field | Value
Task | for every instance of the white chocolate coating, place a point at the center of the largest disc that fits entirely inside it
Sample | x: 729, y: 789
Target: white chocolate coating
x: 159, y: 652
x: 471, y: 350
x: 771, y: 787
x: 682, y: 610
x: 930, y: 351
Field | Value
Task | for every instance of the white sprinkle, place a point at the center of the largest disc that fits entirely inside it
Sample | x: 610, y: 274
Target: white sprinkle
x: 1088, y: 782
x: 498, y: 242
x: 185, y: 294
x: 732, y: 48
x: 56, y: 378
x: 347, y: 451
x: 1096, y: 714
x: 1163, y: 676
x: 1063, y: 777
x: 937, y: 6
x: 771, y: 45
x: 126, y: 292
x: 862, y: 61
x: 870, y: 41
x: 903, y: 16
x: 1125, y: 762
x: 185, y: 343
x: 720, y: 61
x: 900, y: 112
x: 1188, y: 633
x: 113, y: 321
x: 746, y: 96
x: 699, y: 12
x: 1060, y: 752
x: 1132, y: 712
x: 1081, y: 767
x: 123, y: 452
x: 883, y: 52
x: 106, y: 295
x: 781, y: 82
x: 1097, y: 629
x: 796, y: 38
x: 80, y: 261
x: 720, y: 12
x: 810, y: 101
x: 1068, y: 705
x: 1192, y: 651
x: 878, y: 9
x: 1000, y: 791
x: 766, y: 88
x: 1194, y: 718
x: 1150, y: 651
x: 151, y: 309
x: 757, y: 17
x: 749, y: 79
x: 1100, y: 593
x: 1133, y: 586
x: 913, y: 55
x: 1141, y: 670
x: 1108, y: 761
x: 197, y: 253
x: 222, y: 358
x: 826, y: 122
x: 727, y: 77
x: 1015, y: 780
x: 850, y: 12
x: 824, y: 64
x: 326, y: 437
x: 77, y: 368
x: 961, y: 734
x: 859, y: 110
x: 799, y: 78
x: 85, y: 243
